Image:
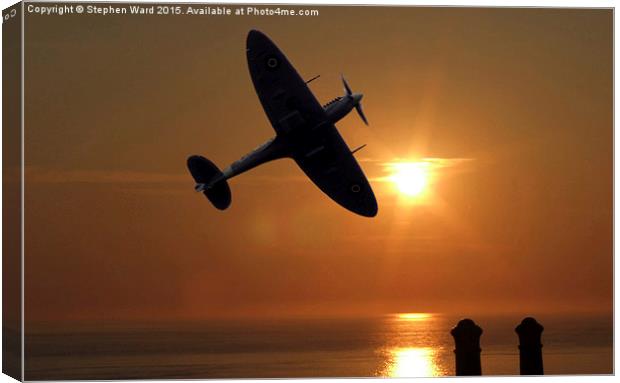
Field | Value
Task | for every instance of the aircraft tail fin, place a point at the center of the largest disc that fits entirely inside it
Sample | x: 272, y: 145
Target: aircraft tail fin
x: 210, y: 181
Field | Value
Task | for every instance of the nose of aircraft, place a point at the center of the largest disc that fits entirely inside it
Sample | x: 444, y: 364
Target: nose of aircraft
x: 357, y: 97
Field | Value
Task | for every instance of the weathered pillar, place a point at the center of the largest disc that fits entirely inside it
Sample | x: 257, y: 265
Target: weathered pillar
x: 467, y: 347
x: 530, y: 347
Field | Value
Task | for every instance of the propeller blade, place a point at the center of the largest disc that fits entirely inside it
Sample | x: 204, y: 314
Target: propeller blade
x: 358, y: 107
x: 346, y: 86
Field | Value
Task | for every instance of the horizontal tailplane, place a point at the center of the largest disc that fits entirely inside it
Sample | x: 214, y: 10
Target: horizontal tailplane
x: 210, y: 181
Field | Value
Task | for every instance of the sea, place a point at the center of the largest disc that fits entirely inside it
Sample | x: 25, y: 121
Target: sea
x: 395, y: 345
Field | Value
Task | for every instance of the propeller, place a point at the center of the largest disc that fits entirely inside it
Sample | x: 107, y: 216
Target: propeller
x: 357, y: 97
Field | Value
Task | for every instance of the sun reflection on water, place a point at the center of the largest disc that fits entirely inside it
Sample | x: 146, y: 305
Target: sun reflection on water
x: 413, y: 348
x: 412, y: 362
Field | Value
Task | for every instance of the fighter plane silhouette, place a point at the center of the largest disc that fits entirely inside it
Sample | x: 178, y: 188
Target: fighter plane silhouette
x: 305, y: 132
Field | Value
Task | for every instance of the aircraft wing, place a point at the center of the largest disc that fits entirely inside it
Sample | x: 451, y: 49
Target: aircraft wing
x: 287, y: 101
x: 328, y: 162
x: 291, y: 106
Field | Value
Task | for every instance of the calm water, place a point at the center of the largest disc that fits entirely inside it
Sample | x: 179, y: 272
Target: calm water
x: 389, y: 346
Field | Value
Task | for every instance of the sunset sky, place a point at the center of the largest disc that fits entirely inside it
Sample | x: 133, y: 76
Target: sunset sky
x: 505, y: 113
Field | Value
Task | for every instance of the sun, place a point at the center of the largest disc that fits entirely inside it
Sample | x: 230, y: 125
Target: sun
x: 410, y: 178
x: 414, y: 316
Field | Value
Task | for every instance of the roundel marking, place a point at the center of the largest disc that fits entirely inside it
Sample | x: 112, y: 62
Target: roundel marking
x: 355, y: 188
x: 272, y: 62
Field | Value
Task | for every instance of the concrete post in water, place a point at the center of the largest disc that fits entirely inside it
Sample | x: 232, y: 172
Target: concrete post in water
x: 467, y: 347
x: 530, y: 347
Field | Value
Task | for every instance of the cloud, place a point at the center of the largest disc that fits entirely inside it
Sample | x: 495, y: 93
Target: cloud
x: 39, y: 175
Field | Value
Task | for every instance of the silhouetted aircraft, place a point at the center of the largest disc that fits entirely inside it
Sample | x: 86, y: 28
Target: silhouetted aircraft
x: 305, y: 132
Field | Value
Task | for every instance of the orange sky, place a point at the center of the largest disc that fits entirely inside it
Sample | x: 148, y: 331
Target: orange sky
x: 513, y: 106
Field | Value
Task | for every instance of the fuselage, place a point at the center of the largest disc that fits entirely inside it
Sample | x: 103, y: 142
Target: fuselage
x: 280, y: 146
